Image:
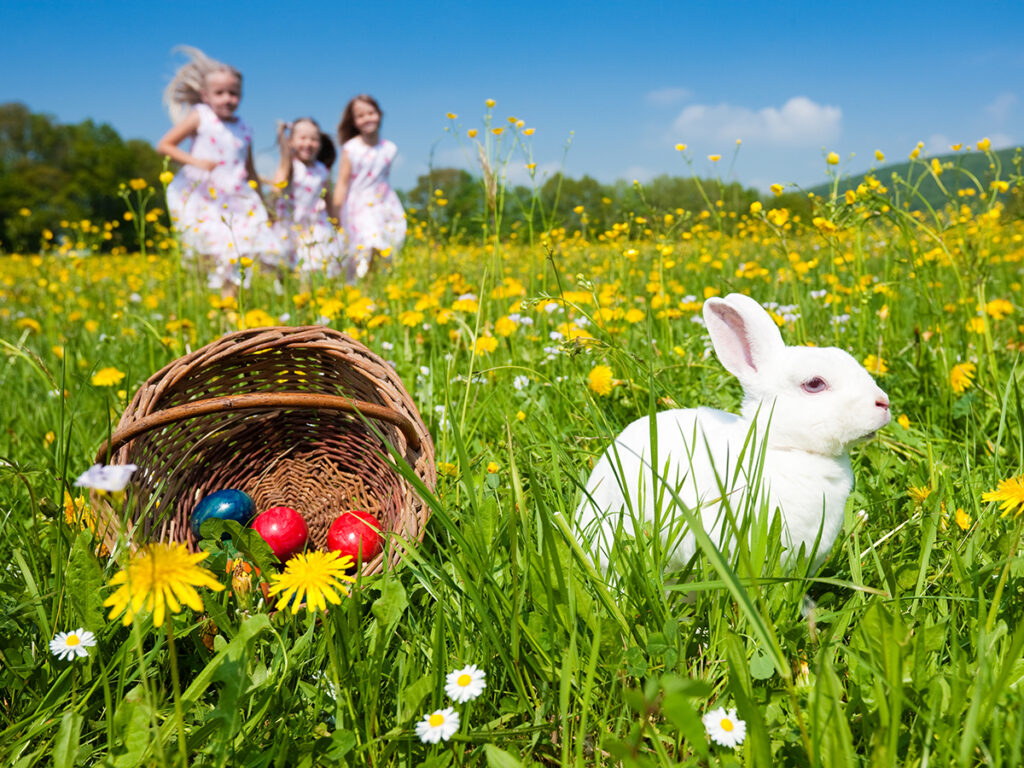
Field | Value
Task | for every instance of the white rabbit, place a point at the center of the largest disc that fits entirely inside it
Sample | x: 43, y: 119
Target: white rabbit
x: 813, y: 402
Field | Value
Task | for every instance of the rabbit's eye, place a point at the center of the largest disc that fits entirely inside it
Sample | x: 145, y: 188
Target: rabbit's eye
x: 814, y: 385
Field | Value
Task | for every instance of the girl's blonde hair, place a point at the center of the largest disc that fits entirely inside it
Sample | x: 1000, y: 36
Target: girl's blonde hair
x: 185, y: 89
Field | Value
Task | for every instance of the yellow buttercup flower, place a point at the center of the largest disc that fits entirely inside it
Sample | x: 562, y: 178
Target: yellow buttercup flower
x: 832, y: 158
x: 714, y: 158
x: 138, y: 184
x: 879, y: 156
x: 756, y: 207
x: 680, y: 147
x: 471, y: 132
x: 166, y: 177
x: 490, y: 103
x: 985, y: 145
x: 529, y: 131
x: 106, y: 377
x: 452, y: 115
x: 159, y: 578
x: 315, y: 578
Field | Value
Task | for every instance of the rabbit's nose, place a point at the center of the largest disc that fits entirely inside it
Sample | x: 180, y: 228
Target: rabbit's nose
x: 882, y: 401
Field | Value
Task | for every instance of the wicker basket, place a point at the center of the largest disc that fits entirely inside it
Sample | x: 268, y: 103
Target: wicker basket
x: 291, y: 416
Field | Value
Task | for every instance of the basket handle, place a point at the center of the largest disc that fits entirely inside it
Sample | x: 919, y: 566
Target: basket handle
x: 257, y: 401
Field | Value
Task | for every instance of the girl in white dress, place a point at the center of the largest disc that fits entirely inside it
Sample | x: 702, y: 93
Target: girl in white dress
x: 371, y: 213
x: 214, y: 200
x: 303, y: 176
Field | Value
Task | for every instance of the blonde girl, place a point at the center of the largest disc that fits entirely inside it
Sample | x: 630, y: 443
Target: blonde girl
x: 304, y: 180
x: 214, y: 199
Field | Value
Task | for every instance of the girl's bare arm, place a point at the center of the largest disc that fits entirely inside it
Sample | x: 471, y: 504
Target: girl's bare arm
x: 168, y: 145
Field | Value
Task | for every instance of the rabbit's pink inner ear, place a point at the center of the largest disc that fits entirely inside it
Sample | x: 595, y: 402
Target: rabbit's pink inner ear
x: 731, y: 338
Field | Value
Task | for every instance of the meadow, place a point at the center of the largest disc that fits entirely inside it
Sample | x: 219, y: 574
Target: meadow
x: 525, y: 356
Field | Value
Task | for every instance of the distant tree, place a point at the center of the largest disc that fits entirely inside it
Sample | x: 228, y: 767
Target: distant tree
x: 450, y: 200
x: 60, y: 172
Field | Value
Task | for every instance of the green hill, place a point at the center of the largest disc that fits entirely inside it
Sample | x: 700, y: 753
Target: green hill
x: 958, y: 168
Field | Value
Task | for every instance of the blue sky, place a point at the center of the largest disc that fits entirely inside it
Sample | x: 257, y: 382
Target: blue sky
x: 627, y: 80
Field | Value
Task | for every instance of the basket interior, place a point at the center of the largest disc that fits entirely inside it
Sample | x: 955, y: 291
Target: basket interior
x: 321, y: 462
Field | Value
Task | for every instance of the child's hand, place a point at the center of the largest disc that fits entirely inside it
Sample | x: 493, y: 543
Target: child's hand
x: 282, y: 129
x: 206, y: 165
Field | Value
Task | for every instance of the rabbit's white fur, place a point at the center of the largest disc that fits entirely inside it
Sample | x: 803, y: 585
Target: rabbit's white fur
x: 813, y: 402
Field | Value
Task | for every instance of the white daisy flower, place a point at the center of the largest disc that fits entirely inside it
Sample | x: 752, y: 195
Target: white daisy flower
x: 113, y: 478
x: 440, y: 725
x: 67, y: 646
x: 465, y: 684
x: 724, y: 727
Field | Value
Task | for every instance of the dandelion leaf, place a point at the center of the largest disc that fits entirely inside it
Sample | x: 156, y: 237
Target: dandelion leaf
x: 84, y: 581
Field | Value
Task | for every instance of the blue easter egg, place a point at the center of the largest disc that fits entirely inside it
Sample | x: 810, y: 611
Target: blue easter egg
x: 228, y: 504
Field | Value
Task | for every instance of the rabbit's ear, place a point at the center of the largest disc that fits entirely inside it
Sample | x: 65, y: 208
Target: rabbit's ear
x: 744, y: 335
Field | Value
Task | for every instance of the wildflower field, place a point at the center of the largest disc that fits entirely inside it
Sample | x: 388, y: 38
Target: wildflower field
x: 496, y: 642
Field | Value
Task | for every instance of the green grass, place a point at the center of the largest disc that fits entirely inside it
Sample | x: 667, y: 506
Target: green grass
x: 905, y: 649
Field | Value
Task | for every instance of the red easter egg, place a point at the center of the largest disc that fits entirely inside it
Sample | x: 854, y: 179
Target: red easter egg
x: 353, y: 532
x: 283, y: 529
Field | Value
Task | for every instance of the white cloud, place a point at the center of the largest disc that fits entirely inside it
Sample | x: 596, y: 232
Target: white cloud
x: 1002, y: 140
x: 638, y: 173
x: 664, y: 97
x: 999, y: 109
x: 799, y: 121
x: 938, y: 144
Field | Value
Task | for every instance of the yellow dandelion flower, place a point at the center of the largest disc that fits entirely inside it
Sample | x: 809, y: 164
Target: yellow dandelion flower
x: 314, y: 578
x: 976, y: 325
x: 505, y: 326
x: 963, y: 519
x: 485, y: 345
x: 447, y: 468
x: 961, y: 377
x: 599, y: 380
x: 1011, y: 493
x: 875, y: 364
x: 30, y: 323
x: 997, y: 309
x: 919, y: 493
x: 903, y: 421
x: 520, y: 415
x: 256, y: 318
x: 159, y: 578
x: 410, y: 318
x: 106, y: 377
